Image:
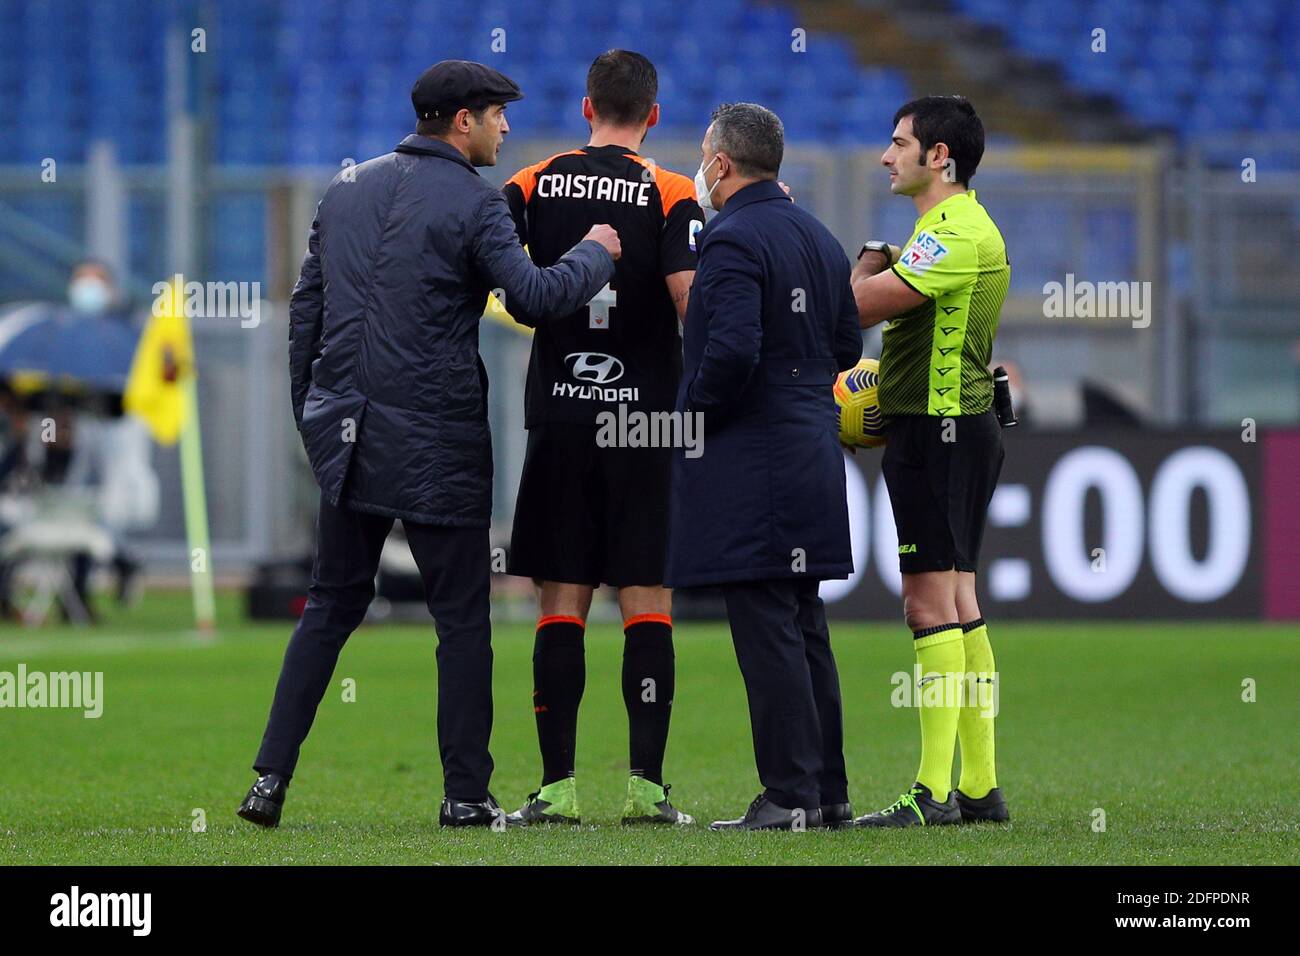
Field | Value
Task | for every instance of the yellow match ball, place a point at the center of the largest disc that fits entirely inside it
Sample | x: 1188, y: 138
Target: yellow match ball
x: 861, y: 424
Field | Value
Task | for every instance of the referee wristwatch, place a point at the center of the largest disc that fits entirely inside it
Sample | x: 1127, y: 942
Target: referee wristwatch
x: 876, y: 245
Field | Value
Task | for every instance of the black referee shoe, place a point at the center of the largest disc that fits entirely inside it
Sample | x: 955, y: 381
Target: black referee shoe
x: 917, y: 807
x: 265, y: 800
x: 991, y: 808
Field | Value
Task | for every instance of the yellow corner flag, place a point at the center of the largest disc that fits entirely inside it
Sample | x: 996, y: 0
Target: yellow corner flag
x: 163, y: 360
x: 495, y: 310
x: 162, y: 389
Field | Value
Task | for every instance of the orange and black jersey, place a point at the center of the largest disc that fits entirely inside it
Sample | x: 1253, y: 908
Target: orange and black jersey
x: 624, y: 346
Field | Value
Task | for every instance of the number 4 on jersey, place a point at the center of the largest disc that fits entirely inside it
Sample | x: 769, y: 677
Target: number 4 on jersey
x: 599, y: 307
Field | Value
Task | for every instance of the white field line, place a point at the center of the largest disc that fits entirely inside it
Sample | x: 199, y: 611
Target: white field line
x: 100, y: 643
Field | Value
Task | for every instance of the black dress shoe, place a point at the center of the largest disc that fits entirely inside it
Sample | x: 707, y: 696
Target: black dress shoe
x: 836, y: 815
x: 763, y: 814
x: 470, y: 813
x: 265, y: 800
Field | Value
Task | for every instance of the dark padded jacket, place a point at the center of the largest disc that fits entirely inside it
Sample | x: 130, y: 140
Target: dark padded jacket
x: 388, y: 389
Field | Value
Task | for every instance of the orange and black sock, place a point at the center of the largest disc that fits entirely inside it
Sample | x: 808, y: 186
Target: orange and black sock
x: 648, y: 688
x: 559, y: 678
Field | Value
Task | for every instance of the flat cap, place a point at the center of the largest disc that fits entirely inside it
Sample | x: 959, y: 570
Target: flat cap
x: 453, y: 85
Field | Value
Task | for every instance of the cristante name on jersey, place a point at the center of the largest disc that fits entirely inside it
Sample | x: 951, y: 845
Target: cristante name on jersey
x: 595, y: 393
x: 583, y: 186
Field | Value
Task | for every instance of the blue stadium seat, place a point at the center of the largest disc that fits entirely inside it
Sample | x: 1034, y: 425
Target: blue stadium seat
x: 1188, y: 65
x: 311, y: 81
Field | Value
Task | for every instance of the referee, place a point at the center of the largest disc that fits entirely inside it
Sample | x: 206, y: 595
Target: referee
x: 944, y: 453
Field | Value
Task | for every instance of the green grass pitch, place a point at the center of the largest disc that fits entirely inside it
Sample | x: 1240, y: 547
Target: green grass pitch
x: 1144, y: 721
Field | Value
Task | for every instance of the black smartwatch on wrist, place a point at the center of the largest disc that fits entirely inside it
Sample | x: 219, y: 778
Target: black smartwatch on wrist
x: 875, y: 245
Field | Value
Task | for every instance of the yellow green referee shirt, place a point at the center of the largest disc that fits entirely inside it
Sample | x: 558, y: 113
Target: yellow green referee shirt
x: 935, y: 357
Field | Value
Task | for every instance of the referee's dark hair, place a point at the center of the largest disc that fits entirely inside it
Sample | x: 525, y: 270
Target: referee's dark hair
x: 752, y: 135
x: 622, y: 87
x: 950, y: 120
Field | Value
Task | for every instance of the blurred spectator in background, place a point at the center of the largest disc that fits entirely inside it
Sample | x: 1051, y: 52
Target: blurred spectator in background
x: 32, y: 457
x: 13, y: 442
x: 112, y: 453
x: 93, y: 290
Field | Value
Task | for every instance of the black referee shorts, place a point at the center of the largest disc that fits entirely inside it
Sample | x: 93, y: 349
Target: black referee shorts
x: 940, y: 490
x: 590, y: 515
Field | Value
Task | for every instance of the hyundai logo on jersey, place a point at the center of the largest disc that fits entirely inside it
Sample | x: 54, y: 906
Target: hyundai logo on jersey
x: 594, y: 367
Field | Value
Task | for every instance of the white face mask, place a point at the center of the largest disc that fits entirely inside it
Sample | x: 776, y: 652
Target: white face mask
x: 703, y: 191
x: 88, y: 294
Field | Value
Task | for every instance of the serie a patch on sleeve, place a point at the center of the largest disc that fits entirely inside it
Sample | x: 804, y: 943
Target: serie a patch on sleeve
x: 924, y: 252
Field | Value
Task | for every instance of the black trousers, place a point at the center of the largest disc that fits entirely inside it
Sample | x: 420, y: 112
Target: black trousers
x: 784, y: 649
x: 455, y: 565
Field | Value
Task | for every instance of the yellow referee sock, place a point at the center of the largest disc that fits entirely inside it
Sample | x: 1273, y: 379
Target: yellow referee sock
x: 975, y: 726
x: 941, y: 654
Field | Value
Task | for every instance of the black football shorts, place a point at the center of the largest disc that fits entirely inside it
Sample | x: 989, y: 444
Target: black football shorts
x: 590, y: 515
x: 940, y: 490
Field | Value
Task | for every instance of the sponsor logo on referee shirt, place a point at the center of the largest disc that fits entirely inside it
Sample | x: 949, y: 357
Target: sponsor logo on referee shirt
x: 924, y: 252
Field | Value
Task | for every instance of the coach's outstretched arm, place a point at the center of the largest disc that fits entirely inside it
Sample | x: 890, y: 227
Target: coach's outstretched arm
x: 731, y: 292
x: 306, y: 312
x: 533, y: 293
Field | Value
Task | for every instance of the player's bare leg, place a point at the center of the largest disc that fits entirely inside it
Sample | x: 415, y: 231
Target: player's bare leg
x: 645, y: 600
x: 968, y: 605
x: 557, y: 599
x: 978, y: 794
x: 649, y: 683
x: 929, y: 599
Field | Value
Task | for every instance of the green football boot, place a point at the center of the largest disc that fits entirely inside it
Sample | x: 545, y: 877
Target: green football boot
x: 554, y: 803
x: 647, y: 802
x: 917, y: 807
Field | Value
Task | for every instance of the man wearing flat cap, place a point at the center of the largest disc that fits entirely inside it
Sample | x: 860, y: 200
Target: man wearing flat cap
x: 390, y: 397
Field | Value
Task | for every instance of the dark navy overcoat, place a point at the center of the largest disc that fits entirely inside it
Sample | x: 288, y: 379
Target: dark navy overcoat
x: 770, y: 323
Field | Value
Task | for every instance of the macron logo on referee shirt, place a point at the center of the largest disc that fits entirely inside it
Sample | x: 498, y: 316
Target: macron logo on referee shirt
x: 924, y: 252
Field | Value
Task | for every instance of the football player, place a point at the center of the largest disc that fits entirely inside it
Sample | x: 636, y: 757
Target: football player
x: 588, y: 515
